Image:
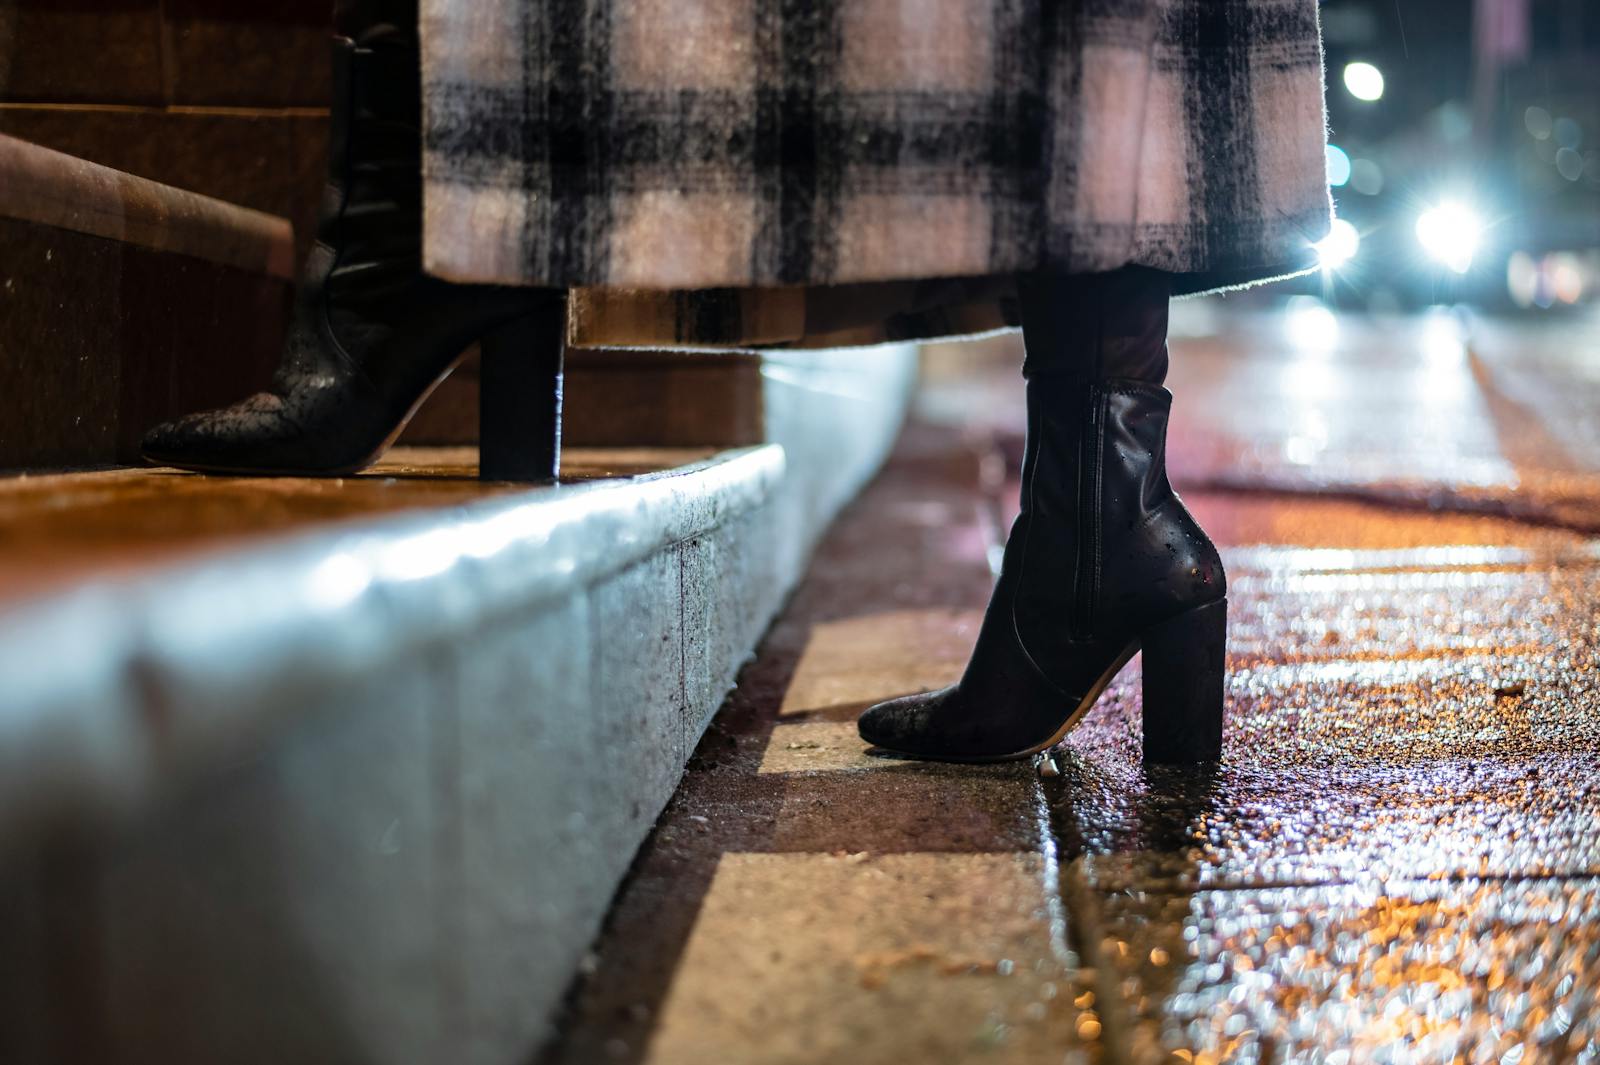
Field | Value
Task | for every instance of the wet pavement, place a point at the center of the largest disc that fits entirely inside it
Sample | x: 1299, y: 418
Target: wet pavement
x: 1439, y: 410
x: 1397, y: 860
x: 1444, y: 409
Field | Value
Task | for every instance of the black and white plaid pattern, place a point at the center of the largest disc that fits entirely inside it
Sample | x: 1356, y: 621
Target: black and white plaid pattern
x: 687, y: 144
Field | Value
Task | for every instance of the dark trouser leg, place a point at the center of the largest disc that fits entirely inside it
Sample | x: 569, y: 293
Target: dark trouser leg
x: 352, y: 17
x: 1094, y: 326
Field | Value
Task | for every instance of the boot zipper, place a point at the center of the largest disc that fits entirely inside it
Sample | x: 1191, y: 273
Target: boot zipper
x: 1087, y: 540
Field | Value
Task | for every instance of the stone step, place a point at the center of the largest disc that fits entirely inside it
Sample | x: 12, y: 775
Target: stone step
x: 350, y: 770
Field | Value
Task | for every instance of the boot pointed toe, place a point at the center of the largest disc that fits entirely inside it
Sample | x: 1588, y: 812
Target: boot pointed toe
x: 895, y: 724
x: 165, y: 441
x: 241, y: 437
x: 932, y: 725
x: 190, y: 441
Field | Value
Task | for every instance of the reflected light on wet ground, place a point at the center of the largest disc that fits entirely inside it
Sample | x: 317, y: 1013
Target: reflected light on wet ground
x: 1423, y: 971
x: 1443, y: 407
x: 1396, y: 859
x: 1310, y: 326
x: 1399, y: 859
x: 1313, y: 398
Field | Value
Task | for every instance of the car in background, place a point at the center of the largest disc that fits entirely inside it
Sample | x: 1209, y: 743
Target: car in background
x: 1464, y: 154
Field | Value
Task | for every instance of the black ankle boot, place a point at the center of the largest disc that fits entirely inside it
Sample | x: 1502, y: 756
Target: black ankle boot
x: 1103, y: 559
x: 371, y: 333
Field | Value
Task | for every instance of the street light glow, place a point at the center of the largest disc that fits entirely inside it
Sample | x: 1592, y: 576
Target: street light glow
x: 1339, y: 246
x: 1449, y: 234
x: 1364, y: 81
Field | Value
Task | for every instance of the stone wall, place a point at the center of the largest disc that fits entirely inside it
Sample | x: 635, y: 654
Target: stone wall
x: 222, y: 97
x: 102, y: 337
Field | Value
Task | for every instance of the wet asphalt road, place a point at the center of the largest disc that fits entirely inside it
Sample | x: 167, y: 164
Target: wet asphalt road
x: 1397, y: 860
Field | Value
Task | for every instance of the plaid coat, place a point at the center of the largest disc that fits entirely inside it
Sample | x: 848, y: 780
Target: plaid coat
x: 781, y: 171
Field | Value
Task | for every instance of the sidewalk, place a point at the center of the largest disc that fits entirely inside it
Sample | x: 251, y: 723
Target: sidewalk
x: 1398, y: 860
x: 1435, y: 410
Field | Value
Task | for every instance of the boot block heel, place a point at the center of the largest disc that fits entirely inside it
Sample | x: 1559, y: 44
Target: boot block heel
x: 1184, y: 666
x: 519, y: 402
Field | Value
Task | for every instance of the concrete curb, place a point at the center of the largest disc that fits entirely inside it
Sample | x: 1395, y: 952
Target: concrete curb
x: 119, y: 692
x: 365, y: 794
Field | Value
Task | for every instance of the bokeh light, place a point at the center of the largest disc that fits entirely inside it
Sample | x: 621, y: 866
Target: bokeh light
x: 1338, y: 166
x: 1364, y: 81
x: 1569, y: 164
x: 1566, y: 277
x: 1339, y: 246
x: 1449, y: 233
x: 1366, y: 177
x: 1311, y: 325
x: 1522, y: 279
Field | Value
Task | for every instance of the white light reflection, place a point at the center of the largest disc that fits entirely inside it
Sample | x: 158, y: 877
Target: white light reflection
x: 1287, y: 561
x: 1449, y: 233
x: 1338, y: 165
x: 1339, y: 246
x: 1305, y: 448
x: 1308, y: 378
x: 1443, y: 338
x: 1311, y: 325
x: 487, y: 538
x: 423, y: 555
x: 1364, y: 81
x: 337, y: 581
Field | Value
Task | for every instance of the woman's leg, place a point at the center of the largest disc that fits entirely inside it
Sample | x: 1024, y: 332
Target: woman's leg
x: 371, y: 333
x: 1102, y: 560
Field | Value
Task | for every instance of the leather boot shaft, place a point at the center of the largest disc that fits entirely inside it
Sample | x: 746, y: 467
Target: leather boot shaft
x: 372, y: 205
x: 1105, y: 545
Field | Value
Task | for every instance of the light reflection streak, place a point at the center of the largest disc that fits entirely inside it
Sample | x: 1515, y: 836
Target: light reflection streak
x: 1392, y: 581
x: 419, y: 556
x: 1051, y: 876
x: 337, y: 581
x: 1327, y: 559
x: 1407, y: 972
x: 1311, y: 325
x: 1387, y: 671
